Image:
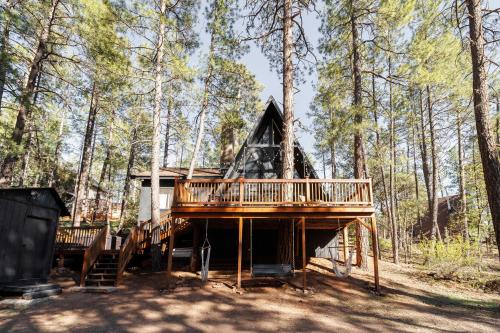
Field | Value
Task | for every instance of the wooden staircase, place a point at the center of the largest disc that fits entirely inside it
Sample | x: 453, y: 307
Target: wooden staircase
x: 104, y: 272
x: 103, y: 267
x: 166, y: 227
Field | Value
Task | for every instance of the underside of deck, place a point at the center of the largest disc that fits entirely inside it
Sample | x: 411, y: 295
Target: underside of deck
x: 334, y: 214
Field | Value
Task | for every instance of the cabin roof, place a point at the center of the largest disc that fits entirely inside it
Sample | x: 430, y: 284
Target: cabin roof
x: 170, y: 172
x: 271, y: 106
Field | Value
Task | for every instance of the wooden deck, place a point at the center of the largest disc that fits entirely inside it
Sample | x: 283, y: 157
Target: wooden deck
x: 273, y: 198
x: 313, y: 203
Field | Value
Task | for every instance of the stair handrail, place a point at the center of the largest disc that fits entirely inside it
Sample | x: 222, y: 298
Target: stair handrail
x: 92, y: 253
x: 127, y: 249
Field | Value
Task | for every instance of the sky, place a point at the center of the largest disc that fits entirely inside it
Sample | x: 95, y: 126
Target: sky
x: 259, y: 65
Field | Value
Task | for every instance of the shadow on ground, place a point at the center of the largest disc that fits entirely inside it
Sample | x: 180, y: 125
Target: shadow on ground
x: 143, y: 304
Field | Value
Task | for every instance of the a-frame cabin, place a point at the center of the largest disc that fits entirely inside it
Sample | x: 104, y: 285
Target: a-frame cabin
x: 244, y: 210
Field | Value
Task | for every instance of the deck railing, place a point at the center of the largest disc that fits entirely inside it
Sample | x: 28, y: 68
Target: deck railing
x: 92, y: 252
x: 127, y: 249
x: 75, y: 238
x: 273, y: 192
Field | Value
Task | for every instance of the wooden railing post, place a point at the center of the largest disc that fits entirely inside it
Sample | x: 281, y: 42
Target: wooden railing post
x: 370, y: 191
x: 308, y: 190
x: 242, y: 187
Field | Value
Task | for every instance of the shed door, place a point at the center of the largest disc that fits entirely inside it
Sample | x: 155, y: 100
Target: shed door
x: 12, y: 215
x: 34, y: 247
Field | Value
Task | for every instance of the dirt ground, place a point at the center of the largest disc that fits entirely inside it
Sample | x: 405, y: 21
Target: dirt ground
x: 332, y: 304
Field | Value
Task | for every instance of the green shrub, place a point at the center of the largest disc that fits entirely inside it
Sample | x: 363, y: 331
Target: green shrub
x: 452, y: 259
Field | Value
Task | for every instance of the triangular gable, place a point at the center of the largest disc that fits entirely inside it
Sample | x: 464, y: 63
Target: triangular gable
x: 260, y: 155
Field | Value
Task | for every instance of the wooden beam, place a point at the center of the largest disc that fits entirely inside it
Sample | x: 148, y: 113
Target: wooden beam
x: 363, y: 223
x: 170, y: 253
x: 345, y: 238
x: 304, y: 261
x: 240, y: 240
x: 375, y: 252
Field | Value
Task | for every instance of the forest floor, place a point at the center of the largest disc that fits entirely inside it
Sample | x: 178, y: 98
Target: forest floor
x: 407, y: 303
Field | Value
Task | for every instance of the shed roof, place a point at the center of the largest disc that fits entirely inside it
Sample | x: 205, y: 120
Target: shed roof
x: 50, y: 190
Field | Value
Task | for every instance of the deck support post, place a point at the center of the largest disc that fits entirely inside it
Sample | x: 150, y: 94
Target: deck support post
x: 304, y: 261
x: 170, y: 253
x: 375, y: 251
x: 194, y: 255
x: 358, y: 244
x: 345, y: 239
x: 240, y: 252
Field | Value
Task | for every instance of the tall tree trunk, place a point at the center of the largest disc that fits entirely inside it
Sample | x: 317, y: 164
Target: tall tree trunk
x: 88, y: 181
x: 25, y: 105
x: 26, y: 157
x: 204, y: 106
x: 155, y: 151
x: 27, y: 146
x: 287, y: 166
x: 434, y: 159
x: 378, y: 145
x: 359, y: 154
x: 166, y: 147
x: 333, y: 154
x: 423, y: 153
x: 126, y: 183
x: 288, y: 72
x: 392, y: 180
x: 415, y: 176
x: 4, y: 47
x: 489, y: 154
x: 498, y: 121
x: 86, y: 156
x: 461, y: 177
x: 53, y: 176
x: 201, y: 128
x: 106, y: 168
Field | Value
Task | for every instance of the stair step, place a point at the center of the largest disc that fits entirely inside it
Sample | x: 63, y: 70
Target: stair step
x: 106, y: 265
x: 101, y: 276
x: 99, y: 280
x: 107, y: 261
x: 99, y: 283
x: 103, y: 270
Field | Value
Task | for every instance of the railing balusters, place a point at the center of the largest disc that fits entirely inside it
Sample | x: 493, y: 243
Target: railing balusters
x: 263, y: 192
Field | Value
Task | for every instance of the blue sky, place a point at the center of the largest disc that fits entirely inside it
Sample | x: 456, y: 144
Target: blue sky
x: 259, y: 65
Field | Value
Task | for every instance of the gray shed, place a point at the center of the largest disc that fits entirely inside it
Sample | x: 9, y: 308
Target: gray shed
x: 28, y: 226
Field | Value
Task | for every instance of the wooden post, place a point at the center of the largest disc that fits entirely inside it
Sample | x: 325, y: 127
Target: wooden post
x: 242, y: 194
x: 358, y: 244
x: 308, y: 190
x: 194, y: 256
x: 240, y: 238
x: 297, y: 242
x: 170, y: 253
x: 345, y: 238
x: 304, y: 280
x: 375, y: 252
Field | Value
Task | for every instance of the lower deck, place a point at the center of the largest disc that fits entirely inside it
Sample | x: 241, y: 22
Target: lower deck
x: 241, y: 244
